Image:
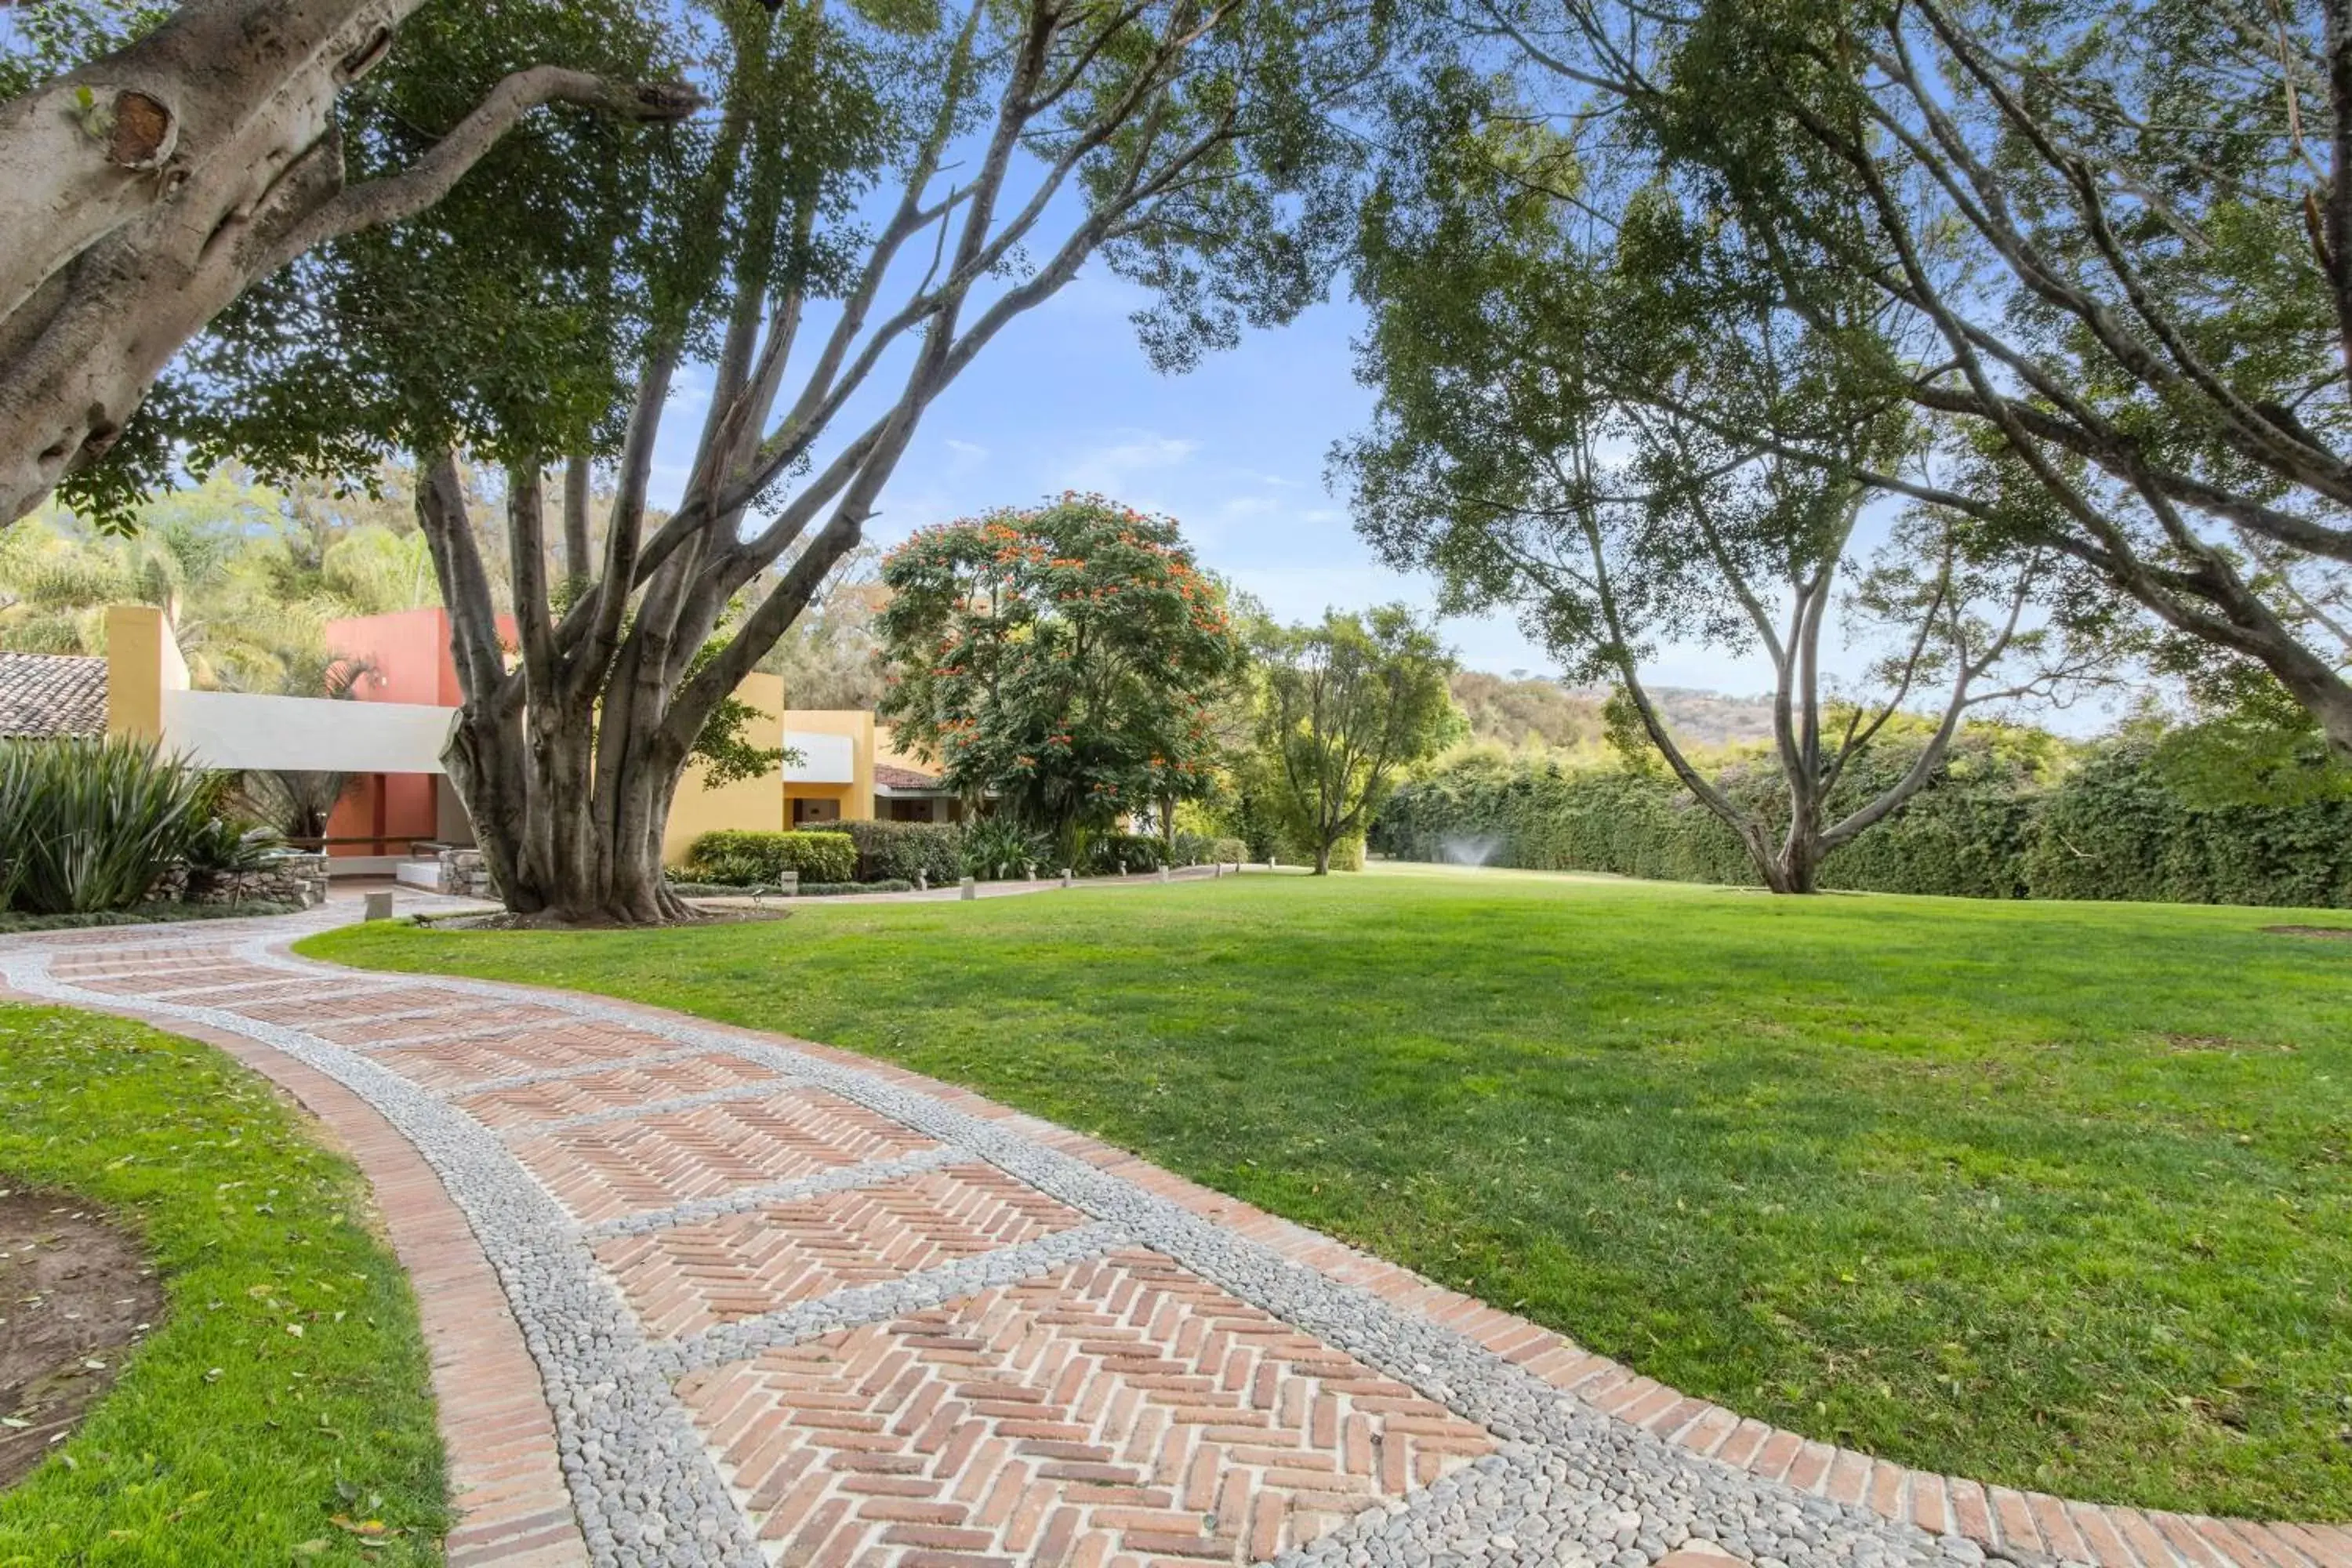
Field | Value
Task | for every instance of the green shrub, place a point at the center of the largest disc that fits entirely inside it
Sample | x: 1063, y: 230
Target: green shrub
x: 90, y: 825
x: 1202, y: 849
x: 1994, y: 823
x: 226, y: 846
x: 742, y: 858
x: 146, y: 914
x: 900, y: 851
x: 998, y: 847
x: 838, y: 889
x: 1108, y: 853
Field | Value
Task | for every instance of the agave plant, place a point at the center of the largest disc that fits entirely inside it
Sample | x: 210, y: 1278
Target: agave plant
x: 88, y: 824
x: 225, y: 845
x: 998, y: 846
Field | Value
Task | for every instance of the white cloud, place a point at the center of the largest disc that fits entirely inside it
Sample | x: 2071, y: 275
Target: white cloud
x: 964, y: 456
x: 1112, y: 467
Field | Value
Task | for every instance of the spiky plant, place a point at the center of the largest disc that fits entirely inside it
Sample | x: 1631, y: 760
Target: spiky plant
x: 89, y: 823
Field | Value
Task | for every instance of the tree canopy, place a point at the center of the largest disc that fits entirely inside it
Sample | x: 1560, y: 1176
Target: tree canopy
x: 1060, y: 660
x: 157, y: 161
x: 1348, y: 705
x: 2109, y: 237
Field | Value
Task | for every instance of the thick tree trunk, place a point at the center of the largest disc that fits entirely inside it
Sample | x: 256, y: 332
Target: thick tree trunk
x: 561, y: 852
x: 205, y: 160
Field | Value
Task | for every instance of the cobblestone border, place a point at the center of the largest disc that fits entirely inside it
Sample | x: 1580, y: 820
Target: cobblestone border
x: 645, y: 1491
x: 1572, y: 1485
x: 1599, y: 1465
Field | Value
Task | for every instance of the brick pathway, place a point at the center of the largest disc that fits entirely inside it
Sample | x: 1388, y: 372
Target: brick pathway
x: 864, y: 1318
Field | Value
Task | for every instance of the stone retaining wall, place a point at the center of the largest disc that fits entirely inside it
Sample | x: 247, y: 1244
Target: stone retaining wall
x: 297, y: 878
x: 466, y: 874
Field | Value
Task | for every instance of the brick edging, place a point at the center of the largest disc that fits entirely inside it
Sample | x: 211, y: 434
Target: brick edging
x: 2001, y: 1520
x: 505, y: 1481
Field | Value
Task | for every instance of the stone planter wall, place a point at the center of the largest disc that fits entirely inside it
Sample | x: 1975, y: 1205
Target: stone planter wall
x: 466, y: 874
x: 299, y: 880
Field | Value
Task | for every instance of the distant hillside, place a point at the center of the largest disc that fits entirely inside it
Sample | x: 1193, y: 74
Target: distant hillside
x: 1544, y: 712
x: 1710, y: 718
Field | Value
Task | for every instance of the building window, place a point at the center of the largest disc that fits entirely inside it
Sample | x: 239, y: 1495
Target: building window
x: 815, y: 811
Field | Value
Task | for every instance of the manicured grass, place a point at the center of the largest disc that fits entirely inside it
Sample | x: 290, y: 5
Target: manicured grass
x: 286, y: 1384
x: 2055, y: 1195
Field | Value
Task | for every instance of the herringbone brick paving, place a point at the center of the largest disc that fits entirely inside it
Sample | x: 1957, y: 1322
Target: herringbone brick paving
x: 612, y: 1091
x: 456, y: 1065
x: 1119, y: 1411
x: 690, y: 1278
x: 616, y: 1168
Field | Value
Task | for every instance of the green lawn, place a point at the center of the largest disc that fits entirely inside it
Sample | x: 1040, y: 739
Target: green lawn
x: 2053, y: 1194
x: 286, y: 1384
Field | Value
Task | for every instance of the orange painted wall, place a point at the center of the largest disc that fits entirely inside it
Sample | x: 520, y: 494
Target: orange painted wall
x: 410, y: 652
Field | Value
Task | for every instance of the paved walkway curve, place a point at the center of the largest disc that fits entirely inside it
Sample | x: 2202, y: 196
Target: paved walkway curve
x: 786, y: 1305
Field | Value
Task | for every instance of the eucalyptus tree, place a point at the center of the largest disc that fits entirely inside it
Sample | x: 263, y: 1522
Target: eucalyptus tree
x: 2125, y: 227
x: 157, y: 161
x: 996, y: 149
x: 1587, y: 416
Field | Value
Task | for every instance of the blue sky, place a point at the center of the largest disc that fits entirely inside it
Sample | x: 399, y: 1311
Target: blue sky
x: 1234, y: 451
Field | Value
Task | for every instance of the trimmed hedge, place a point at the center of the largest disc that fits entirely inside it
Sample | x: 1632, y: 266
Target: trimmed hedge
x: 742, y: 858
x: 1993, y: 825
x: 897, y: 851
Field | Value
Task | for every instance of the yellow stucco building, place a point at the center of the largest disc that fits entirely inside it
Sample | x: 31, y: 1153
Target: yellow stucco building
x: 844, y: 767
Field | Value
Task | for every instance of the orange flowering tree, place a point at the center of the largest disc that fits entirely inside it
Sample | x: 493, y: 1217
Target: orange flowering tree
x: 1061, y: 659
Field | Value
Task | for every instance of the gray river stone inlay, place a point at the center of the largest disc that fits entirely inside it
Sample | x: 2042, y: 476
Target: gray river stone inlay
x: 1571, y: 1487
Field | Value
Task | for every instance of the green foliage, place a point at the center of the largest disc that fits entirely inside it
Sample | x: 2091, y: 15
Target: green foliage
x: 1999, y: 821
x: 1206, y: 850
x: 227, y: 845
x: 1348, y: 707
x: 1119, y: 854
x: 2093, y: 254
x: 90, y: 824
x: 742, y: 857
x: 249, y: 574
x: 146, y: 914
x: 901, y: 851
x: 998, y: 846
x: 1061, y: 659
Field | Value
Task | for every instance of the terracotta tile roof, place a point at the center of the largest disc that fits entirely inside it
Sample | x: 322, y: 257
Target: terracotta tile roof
x: 52, y: 694
x: 888, y: 777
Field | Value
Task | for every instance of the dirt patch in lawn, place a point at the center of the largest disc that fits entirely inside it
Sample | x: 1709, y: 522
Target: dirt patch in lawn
x: 77, y: 1291
x: 2341, y: 933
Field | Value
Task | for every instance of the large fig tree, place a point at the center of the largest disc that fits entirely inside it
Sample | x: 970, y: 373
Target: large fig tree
x: 886, y: 193
x: 156, y: 162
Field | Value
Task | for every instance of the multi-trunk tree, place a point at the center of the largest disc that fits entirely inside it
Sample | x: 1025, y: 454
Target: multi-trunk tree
x: 1349, y: 704
x: 151, y: 172
x: 1195, y: 148
x: 2117, y: 234
x: 1588, y: 420
x: 1060, y: 663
